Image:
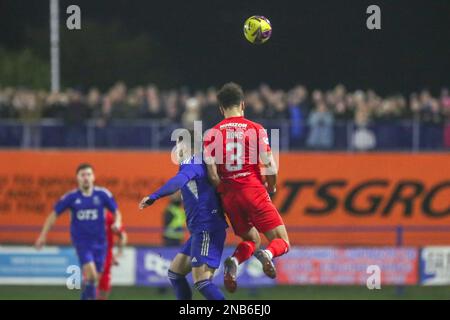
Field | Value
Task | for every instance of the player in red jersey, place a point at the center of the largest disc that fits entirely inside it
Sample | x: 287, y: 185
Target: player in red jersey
x: 104, y: 287
x: 236, y: 150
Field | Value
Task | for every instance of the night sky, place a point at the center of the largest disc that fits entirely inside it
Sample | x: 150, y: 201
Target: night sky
x: 199, y: 43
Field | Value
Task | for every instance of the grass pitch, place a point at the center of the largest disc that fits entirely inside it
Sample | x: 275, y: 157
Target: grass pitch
x: 269, y: 293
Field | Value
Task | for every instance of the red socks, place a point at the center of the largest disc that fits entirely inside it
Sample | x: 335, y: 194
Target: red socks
x: 278, y: 247
x: 244, y: 250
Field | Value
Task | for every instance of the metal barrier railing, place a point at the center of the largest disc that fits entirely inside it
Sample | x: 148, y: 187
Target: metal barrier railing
x: 402, y: 135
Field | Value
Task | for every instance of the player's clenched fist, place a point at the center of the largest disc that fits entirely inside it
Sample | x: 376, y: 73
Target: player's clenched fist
x: 271, y: 189
x: 145, y: 202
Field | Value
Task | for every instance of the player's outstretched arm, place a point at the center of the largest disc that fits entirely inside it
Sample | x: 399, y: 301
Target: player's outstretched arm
x: 49, y: 222
x: 269, y: 170
x: 170, y: 187
x: 145, y: 202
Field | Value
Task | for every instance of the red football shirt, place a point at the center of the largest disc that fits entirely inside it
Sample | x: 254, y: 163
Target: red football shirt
x: 236, y: 144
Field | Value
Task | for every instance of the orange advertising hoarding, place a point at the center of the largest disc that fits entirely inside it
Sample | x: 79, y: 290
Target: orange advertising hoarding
x: 332, y: 199
x: 366, y: 198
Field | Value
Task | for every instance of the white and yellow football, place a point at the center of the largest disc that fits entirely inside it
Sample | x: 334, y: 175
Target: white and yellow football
x: 257, y: 29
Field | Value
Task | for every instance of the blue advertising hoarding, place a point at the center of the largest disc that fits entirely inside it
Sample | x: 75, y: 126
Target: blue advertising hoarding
x: 26, y: 265
x: 153, y: 263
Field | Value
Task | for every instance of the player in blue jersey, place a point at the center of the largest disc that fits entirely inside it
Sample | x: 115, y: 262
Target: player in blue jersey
x: 205, y: 221
x: 87, y: 227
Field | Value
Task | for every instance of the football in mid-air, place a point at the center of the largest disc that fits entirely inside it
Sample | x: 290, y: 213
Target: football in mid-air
x: 257, y: 29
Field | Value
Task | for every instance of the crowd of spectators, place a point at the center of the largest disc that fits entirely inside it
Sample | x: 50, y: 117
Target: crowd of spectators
x: 311, y: 114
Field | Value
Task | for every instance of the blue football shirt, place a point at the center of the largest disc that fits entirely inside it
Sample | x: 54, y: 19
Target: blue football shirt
x: 87, y: 213
x: 201, y: 202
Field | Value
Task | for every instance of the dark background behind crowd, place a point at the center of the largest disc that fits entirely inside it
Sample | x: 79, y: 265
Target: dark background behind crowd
x: 200, y: 43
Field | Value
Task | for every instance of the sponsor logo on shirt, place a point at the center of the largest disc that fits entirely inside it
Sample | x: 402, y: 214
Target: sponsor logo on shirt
x: 233, y: 125
x: 87, y: 214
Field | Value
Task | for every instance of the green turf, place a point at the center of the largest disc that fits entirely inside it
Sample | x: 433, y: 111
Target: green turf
x: 280, y: 292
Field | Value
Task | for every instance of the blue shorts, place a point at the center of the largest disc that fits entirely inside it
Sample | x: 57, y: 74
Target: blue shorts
x: 205, y: 247
x: 91, y: 252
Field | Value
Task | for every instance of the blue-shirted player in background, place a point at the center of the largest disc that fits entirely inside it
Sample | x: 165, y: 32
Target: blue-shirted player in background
x: 87, y: 227
x: 205, y: 221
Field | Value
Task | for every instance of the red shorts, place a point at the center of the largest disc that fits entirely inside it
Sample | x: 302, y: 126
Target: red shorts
x: 250, y: 207
x: 105, y: 280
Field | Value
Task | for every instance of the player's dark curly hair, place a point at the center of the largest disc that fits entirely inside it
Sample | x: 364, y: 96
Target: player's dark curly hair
x: 230, y: 95
x: 83, y: 166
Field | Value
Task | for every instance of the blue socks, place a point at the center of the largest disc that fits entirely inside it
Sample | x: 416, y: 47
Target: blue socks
x: 89, y: 291
x: 209, y: 290
x: 180, y: 285
x: 183, y: 290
